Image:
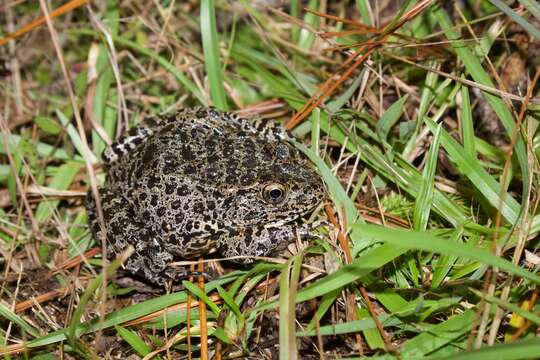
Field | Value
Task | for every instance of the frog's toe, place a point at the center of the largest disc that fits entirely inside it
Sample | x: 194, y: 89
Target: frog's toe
x: 175, y: 274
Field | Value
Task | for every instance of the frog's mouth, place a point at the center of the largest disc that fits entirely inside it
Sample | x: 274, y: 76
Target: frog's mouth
x: 278, y: 223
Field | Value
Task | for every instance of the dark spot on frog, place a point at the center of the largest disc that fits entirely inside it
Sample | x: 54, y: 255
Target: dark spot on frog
x: 170, y: 164
x: 182, y: 190
x: 180, y: 136
x: 186, y: 153
x: 211, y: 171
x: 153, y: 181
x: 152, y: 121
x: 198, y: 207
x: 228, y: 148
x: 211, y: 143
x: 213, y: 158
x: 170, y: 188
x: 250, y: 161
x: 248, y: 178
x: 178, y: 218
x: 161, y: 211
x: 176, y: 204
x: 165, y: 226
x: 149, y: 153
x: 282, y: 151
x: 190, y: 169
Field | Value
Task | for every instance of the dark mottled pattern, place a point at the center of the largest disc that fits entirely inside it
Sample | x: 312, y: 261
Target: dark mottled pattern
x: 186, y: 184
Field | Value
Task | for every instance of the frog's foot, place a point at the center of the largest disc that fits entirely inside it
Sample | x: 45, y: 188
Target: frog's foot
x: 159, y: 274
x: 171, y: 274
x: 307, y: 231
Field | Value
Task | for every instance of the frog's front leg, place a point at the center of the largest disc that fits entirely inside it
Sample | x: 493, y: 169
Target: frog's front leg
x: 122, y: 228
x: 251, y: 242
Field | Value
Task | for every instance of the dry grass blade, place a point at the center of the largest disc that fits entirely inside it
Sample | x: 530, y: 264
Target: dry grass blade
x: 27, y: 304
x: 202, y: 315
x: 350, y: 22
x: 523, y: 234
x: 71, y: 5
x: 363, y: 52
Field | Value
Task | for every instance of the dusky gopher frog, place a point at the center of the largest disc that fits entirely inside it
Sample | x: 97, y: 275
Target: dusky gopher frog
x: 186, y: 184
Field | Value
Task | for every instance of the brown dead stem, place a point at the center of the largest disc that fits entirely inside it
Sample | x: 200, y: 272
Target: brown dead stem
x: 73, y: 4
x: 352, y: 63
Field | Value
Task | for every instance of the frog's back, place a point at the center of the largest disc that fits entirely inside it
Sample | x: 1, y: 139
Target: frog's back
x: 196, y: 150
x: 186, y: 123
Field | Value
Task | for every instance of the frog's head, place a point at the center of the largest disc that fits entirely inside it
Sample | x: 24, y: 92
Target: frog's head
x: 290, y: 191
x: 280, y: 192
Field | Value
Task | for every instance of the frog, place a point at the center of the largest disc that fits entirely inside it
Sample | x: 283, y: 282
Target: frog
x: 200, y: 181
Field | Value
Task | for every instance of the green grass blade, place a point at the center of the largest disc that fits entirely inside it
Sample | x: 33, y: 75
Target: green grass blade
x: 133, y: 340
x: 363, y: 8
x: 73, y: 135
x: 104, y: 91
x: 428, y: 242
x: 61, y: 181
x: 210, y: 42
x: 367, y: 262
x: 474, y: 67
x: 306, y: 37
x: 439, y: 335
x: 444, y: 263
x: 390, y: 117
x: 17, y: 320
x: 426, y: 99
x: 425, y: 194
x: 521, y: 349
x: 101, y: 96
x: 467, y: 128
x: 194, y: 289
x: 518, y: 18
x: 71, y: 332
x: 287, y: 308
x: 229, y: 301
x: 478, y: 177
x: 532, y: 6
x: 509, y: 306
x: 352, y: 326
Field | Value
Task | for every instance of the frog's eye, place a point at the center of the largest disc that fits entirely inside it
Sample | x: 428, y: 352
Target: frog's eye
x: 274, y: 193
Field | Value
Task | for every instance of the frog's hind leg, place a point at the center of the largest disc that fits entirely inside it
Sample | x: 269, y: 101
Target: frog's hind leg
x: 138, y: 134
x: 122, y: 228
